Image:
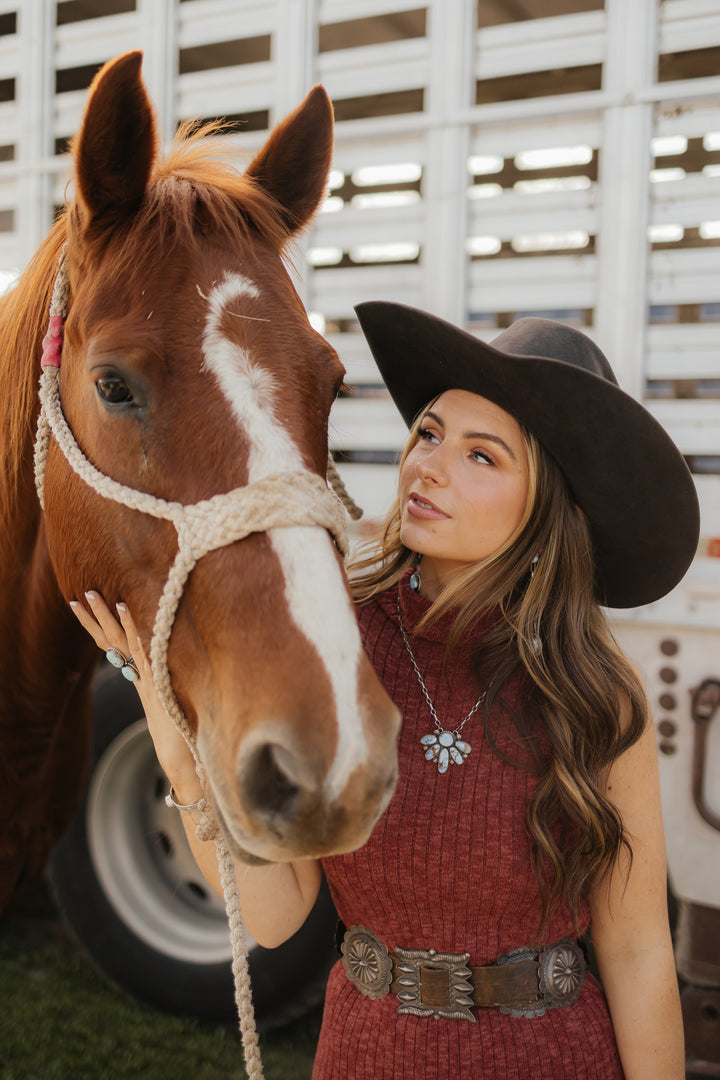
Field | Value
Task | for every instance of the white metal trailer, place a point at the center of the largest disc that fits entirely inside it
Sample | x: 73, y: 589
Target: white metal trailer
x: 493, y: 158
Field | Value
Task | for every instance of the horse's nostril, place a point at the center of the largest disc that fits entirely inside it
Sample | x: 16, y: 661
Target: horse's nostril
x: 270, y: 786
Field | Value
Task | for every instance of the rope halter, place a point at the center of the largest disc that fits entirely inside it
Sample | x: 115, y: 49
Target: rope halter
x: 296, y: 498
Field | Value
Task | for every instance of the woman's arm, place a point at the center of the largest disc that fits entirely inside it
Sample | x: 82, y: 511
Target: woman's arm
x: 275, y: 899
x: 630, y: 929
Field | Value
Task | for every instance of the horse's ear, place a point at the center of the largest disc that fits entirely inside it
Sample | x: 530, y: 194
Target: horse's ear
x: 294, y: 163
x: 116, y: 145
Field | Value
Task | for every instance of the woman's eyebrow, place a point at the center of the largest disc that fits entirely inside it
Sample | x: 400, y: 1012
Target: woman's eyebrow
x: 488, y: 436
x: 435, y: 417
x: 476, y: 435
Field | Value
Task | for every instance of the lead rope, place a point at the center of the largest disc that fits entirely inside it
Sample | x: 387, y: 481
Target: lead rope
x: 338, y: 485
x: 300, y: 498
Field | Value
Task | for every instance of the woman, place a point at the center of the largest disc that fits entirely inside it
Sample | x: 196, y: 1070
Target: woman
x: 532, y: 490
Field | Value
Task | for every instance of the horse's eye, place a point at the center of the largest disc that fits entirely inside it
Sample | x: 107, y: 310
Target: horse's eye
x: 112, y: 389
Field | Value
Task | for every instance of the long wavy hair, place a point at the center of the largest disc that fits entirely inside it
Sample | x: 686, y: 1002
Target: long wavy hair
x: 585, y: 694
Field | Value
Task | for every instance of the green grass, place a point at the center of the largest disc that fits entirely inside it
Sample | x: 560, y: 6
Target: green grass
x: 59, y: 1019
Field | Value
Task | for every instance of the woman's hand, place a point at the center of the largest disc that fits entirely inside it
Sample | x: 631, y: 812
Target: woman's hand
x: 120, y: 633
x: 109, y: 633
x: 277, y: 898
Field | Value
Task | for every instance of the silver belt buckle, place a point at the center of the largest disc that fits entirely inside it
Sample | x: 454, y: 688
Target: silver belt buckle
x: 409, y: 967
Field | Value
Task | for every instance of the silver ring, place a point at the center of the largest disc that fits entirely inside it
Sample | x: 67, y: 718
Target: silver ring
x: 115, y: 657
x: 129, y: 670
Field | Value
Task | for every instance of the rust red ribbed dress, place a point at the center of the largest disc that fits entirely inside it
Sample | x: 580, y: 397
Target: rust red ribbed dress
x: 448, y: 867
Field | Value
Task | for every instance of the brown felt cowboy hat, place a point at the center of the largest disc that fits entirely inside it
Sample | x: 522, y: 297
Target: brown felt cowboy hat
x: 624, y: 471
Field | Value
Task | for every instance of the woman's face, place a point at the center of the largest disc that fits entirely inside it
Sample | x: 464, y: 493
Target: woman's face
x: 463, y: 486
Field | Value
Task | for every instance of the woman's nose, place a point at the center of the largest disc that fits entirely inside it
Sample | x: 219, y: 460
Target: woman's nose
x: 432, y: 466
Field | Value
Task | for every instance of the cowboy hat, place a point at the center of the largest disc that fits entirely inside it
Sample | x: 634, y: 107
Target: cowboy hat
x: 623, y: 470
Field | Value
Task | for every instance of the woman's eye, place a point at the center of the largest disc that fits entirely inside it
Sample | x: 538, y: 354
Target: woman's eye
x: 112, y: 389
x: 481, y: 456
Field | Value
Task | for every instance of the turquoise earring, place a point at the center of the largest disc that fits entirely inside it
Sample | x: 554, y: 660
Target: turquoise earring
x: 536, y: 641
x: 415, y: 578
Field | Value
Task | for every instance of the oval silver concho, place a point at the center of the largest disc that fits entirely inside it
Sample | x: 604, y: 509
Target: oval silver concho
x: 561, y: 972
x: 367, y: 962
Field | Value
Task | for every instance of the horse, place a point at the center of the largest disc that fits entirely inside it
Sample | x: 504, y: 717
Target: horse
x: 190, y: 375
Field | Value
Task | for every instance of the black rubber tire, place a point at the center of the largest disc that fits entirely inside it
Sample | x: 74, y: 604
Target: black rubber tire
x: 136, y: 902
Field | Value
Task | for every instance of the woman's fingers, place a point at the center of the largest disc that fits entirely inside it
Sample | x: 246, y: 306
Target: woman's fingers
x: 135, y: 645
x: 105, y: 629
x: 89, y: 622
x: 107, y: 621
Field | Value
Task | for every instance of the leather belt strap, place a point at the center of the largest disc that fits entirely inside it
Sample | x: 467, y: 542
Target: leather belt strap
x: 509, y: 984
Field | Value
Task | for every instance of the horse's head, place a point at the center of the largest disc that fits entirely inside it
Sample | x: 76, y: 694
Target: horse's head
x: 189, y: 370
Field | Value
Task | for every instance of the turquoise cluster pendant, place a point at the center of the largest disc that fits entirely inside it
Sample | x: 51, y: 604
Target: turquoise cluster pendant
x: 445, y: 748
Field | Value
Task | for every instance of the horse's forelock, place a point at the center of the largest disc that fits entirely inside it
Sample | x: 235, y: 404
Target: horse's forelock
x: 194, y: 193
x: 198, y: 175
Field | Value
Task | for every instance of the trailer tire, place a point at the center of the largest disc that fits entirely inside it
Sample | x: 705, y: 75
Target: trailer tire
x: 127, y: 885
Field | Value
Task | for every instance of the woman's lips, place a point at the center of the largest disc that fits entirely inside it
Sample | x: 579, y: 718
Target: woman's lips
x: 422, y: 508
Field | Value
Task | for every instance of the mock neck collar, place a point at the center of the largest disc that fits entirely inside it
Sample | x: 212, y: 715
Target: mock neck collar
x: 414, y: 606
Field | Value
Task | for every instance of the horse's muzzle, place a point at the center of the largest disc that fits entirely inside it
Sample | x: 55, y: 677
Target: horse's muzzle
x: 281, y: 808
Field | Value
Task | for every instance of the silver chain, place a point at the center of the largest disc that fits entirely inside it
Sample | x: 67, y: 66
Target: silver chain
x: 438, y: 726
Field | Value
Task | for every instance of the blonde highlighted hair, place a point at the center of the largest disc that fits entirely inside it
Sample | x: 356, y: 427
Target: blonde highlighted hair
x: 581, y: 698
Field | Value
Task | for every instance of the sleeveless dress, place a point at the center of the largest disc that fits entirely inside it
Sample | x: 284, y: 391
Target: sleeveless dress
x: 448, y: 867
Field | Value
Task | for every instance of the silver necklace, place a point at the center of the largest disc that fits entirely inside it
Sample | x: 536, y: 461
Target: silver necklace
x: 441, y: 746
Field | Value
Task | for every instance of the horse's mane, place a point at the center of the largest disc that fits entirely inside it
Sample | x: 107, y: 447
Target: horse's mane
x: 23, y: 321
x: 194, y: 188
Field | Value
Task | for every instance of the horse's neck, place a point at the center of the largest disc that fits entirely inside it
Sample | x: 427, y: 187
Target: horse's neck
x: 45, y: 654
x: 46, y: 659
x: 46, y: 664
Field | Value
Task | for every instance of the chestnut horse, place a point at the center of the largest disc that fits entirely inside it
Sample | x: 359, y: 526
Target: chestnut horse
x: 189, y: 370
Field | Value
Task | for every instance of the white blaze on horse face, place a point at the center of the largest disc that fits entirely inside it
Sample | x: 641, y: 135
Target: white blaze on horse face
x: 314, y: 585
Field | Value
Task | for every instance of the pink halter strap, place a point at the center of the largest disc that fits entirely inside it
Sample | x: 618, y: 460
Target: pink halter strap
x: 53, y: 342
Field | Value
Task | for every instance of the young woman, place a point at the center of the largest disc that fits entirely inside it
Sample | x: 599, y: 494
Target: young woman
x: 531, y: 492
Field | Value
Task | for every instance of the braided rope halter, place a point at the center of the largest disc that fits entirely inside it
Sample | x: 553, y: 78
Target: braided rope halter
x: 296, y: 498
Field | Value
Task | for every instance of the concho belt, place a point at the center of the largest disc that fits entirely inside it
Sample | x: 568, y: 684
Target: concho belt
x: 525, y: 982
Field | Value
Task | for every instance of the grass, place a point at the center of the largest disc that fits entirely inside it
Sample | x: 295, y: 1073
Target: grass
x: 60, y: 1020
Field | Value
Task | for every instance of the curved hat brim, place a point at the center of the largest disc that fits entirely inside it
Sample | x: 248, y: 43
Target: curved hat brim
x: 623, y: 470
